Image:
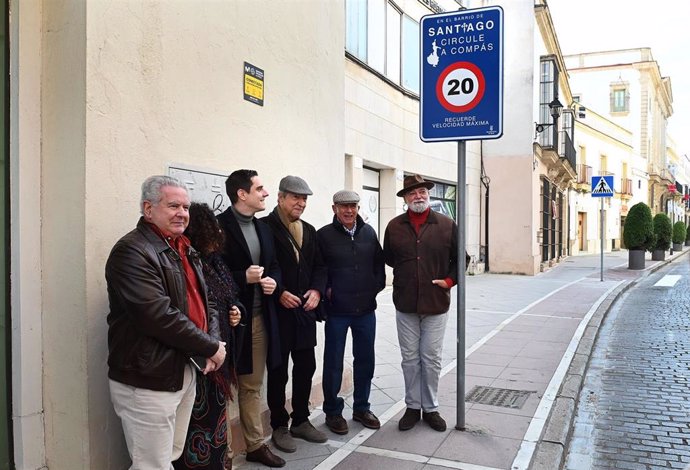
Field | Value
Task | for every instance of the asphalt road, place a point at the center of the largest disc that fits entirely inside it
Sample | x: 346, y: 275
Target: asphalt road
x: 634, y: 409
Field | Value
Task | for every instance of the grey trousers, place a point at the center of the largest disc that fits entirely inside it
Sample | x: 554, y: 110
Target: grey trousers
x: 421, y: 343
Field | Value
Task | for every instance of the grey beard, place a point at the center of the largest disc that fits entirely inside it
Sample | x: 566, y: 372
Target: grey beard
x: 419, y: 207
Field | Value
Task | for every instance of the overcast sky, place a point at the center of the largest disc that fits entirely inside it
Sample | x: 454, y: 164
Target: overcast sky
x: 662, y: 25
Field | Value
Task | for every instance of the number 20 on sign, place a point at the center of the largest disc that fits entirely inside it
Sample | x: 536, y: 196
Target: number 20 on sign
x: 460, y: 87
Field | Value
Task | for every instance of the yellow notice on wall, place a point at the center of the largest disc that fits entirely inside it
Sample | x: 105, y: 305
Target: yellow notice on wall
x: 253, y: 84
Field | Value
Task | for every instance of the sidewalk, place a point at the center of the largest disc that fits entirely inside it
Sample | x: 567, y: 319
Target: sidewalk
x: 527, y: 345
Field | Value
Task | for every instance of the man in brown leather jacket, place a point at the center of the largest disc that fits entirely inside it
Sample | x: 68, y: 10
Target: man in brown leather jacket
x: 159, y: 318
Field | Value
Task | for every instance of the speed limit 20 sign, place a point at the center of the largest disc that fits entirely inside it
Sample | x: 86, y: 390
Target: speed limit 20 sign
x: 461, y: 90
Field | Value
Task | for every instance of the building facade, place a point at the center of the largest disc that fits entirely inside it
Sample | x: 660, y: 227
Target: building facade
x: 627, y: 87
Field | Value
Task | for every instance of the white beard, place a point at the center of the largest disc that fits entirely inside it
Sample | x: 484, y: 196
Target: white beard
x: 419, y: 207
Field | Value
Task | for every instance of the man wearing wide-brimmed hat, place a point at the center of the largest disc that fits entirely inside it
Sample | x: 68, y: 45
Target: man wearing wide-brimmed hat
x: 421, y: 247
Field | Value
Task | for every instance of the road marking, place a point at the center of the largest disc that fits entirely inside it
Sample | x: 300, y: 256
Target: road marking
x: 668, y: 280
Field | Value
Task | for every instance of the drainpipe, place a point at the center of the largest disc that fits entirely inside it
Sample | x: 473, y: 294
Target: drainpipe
x: 485, y: 180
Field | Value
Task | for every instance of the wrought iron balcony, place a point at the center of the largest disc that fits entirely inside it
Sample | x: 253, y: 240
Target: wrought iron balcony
x: 567, y: 150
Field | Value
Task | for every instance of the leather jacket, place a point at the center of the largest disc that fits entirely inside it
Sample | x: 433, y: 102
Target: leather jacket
x: 150, y: 336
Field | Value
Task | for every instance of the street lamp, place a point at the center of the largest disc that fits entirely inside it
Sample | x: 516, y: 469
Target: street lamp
x: 555, y: 108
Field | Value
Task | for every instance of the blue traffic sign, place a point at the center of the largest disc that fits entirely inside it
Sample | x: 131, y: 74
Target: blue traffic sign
x: 602, y: 186
x: 461, y: 91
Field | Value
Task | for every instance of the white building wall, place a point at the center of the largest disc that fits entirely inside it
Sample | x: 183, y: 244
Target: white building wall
x: 123, y: 90
x: 597, y: 136
x: 515, y: 205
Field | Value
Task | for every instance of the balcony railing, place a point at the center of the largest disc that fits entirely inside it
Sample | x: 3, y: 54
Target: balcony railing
x: 584, y: 174
x: 568, y: 150
x: 626, y: 186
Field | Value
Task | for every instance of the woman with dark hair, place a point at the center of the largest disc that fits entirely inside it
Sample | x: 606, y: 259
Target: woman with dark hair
x: 206, y: 446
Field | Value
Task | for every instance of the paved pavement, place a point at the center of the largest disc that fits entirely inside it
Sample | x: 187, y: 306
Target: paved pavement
x: 527, y: 342
x: 634, y: 411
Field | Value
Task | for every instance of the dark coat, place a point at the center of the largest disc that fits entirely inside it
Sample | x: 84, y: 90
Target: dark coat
x: 356, y: 270
x: 238, y: 258
x: 223, y: 292
x: 150, y: 335
x: 418, y: 259
x: 298, y: 328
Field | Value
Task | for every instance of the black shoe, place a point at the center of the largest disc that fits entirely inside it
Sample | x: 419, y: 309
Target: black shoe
x: 264, y: 455
x: 367, y: 418
x: 337, y: 424
x: 435, y: 421
x: 409, y: 419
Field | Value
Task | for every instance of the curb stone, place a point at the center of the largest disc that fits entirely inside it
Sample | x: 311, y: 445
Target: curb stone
x: 551, y: 449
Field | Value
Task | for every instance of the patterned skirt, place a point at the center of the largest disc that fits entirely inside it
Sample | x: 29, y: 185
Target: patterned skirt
x: 206, y: 446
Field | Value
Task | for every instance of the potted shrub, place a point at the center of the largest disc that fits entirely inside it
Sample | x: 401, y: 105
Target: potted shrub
x: 679, y: 234
x: 638, y: 234
x: 662, y: 236
x: 687, y: 238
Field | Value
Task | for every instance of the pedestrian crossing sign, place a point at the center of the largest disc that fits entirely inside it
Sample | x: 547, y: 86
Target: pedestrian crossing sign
x: 602, y: 186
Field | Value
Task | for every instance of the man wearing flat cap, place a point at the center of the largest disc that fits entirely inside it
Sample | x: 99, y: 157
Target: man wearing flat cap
x: 421, y: 247
x: 356, y: 274
x: 299, y: 308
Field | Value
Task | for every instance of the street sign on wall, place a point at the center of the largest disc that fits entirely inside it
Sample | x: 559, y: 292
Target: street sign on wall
x: 602, y: 186
x: 461, y: 86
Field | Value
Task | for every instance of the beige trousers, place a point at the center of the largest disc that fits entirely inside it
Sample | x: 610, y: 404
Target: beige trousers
x: 249, y: 399
x: 155, y: 423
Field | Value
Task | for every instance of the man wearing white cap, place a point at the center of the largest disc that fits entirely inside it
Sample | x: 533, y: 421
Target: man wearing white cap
x: 356, y: 274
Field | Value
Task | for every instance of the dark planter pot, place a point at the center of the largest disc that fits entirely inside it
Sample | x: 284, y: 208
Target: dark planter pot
x: 658, y: 255
x: 687, y: 242
x: 677, y: 247
x: 636, y: 259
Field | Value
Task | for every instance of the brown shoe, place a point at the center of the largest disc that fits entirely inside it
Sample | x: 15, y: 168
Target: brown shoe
x: 367, y: 418
x: 337, y: 424
x: 264, y: 455
x: 409, y: 419
x: 228, y: 464
x: 435, y: 421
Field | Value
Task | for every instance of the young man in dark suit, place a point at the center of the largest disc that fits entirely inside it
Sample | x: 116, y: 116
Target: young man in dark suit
x: 250, y: 254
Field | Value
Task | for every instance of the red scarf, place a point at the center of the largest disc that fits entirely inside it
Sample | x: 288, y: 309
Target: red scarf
x: 195, y: 302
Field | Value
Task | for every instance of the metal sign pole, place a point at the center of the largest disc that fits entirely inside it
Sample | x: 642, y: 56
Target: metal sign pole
x: 460, y: 292
x: 601, y: 228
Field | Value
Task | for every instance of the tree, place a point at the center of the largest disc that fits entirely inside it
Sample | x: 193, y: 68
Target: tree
x: 679, y: 232
x: 662, y: 232
x: 639, y: 228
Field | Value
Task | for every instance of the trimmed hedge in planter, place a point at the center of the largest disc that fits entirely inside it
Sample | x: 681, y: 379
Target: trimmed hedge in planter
x: 662, y: 236
x: 639, y: 234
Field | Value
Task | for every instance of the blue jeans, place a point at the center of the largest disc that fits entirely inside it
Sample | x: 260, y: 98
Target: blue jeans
x: 363, y: 334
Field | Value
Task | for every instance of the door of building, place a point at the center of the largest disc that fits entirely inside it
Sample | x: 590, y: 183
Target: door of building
x: 581, y: 227
x: 369, y: 203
